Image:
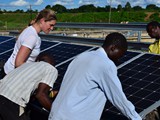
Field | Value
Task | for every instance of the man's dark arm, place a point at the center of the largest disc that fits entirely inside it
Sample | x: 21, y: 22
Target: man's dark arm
x: 43, y: 97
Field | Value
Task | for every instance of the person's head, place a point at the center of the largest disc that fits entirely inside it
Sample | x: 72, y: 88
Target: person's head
x: 46, y: 57
x: 153, y: 29
x: 115, y: 45
x: 46, y: 19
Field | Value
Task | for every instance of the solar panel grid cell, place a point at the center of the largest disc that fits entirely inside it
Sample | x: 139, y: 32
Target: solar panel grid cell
x: 4, y: 38
x: 47, y: 44
x: 5, y: 56
x: 6, y: 45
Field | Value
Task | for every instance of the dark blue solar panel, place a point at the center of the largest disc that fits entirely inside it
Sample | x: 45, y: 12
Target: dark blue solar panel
x: 61, y: 71
x: 4, y: 38
x: 62, y: 68
x: 140, y: 80
x: 7, y: 45
x: 5, y: 56
x: 128, y: 55
x: 64, y: 51
x: 47, y: 44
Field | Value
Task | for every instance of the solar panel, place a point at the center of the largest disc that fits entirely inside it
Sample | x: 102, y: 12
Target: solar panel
x: 61, y: 71
x: 5, y: 55
x: 139, y: 72
x: 65, y: 51
x: 5, y: 38
x: 64, y: 54
x: 6, y: 44
x: 141, y: 80
x: 127, y: 56
x: 62, y: 68
x: 47, y: 44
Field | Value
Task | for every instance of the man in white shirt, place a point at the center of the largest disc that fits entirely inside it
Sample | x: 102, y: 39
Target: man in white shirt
x: 17, y: 87
x: 90, y: 80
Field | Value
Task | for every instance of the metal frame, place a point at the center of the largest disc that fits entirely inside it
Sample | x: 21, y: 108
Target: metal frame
x: 109, y: 26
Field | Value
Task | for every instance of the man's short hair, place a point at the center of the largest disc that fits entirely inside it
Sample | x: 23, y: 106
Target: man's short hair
x: 152, y: 24
x: 116, y: 39
x: 46, y: 57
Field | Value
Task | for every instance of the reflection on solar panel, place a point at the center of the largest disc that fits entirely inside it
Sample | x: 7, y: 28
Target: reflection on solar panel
x: 139, y: 72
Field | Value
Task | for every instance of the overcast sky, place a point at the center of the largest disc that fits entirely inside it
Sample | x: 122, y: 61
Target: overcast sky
x: 41, y: 4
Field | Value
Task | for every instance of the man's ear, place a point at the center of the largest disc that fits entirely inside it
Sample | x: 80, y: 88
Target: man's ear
x: 112, y: 47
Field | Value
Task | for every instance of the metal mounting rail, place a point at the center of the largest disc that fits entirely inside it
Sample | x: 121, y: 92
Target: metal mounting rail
x: 87, y: 41
x: 113, y: 26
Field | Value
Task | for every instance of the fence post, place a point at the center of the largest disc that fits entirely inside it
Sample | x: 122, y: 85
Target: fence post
x: 139, y: 36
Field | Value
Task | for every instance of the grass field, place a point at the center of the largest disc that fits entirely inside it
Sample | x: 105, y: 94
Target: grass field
x: 17, y: 21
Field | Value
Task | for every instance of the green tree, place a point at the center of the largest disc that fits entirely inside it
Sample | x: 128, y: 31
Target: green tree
x: 59, y: 8
x: 127, y: 7
x: 48, y: 7
x: 75, y: 10
x: 1, y: 11
x: 100, y: 9
x: 21, y: 11
x: 119, y: 8
x: 107, y: 7
x: 152, y: 7
x: 87, y: 8
x: 137, y: 8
